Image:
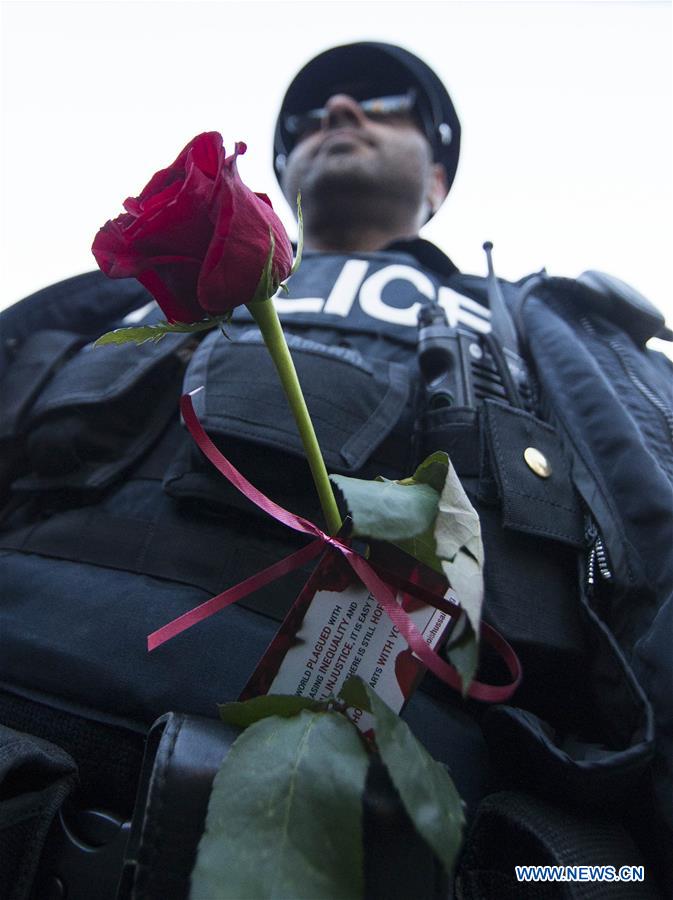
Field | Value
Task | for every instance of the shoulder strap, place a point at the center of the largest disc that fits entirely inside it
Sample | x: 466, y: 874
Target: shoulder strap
x: 596, y: 293
x: 87, y: 304
x: 515, y: 829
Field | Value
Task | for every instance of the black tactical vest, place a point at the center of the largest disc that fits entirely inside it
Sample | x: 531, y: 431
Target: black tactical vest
x: 113, y: 523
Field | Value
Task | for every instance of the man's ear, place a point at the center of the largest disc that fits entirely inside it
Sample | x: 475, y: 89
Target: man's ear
x: 437, y: 187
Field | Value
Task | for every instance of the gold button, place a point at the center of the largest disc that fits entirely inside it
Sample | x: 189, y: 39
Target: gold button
x: 537, y: 462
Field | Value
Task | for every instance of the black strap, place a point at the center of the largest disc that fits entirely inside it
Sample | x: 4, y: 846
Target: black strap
x: 89, y: 535
x: 513, y: 828
x: 88, y: 304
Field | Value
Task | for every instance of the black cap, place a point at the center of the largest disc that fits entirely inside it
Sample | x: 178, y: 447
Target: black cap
x: 366, y: 70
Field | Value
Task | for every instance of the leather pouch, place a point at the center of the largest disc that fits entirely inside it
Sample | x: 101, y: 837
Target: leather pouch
x: 182, y: 758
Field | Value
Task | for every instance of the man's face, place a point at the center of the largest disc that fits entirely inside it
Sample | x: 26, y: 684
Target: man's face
x: 355, y: 162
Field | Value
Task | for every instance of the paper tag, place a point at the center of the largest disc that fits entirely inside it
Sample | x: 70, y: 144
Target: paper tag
x: 331, y: 634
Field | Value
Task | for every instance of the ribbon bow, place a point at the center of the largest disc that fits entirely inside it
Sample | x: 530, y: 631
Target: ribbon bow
x: 382, y: 592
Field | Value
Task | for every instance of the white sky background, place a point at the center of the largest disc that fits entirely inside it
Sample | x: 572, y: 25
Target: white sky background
x: 566, y: 110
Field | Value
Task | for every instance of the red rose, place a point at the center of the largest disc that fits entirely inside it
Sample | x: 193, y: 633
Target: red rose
x: 197, y: 238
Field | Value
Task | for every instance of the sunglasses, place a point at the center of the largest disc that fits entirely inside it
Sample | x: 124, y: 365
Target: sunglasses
x: 376, y: 108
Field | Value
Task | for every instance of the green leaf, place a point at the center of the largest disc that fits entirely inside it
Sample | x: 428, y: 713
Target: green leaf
x: 430, y: 517
x: 453, y: 547
x: 462, y: 651
x: 140, y: 334
x: 431, y: 471
x: 285, y: 814
x: 402, y: 512
x: 425, y: 788
x: 388, y: 510
x: 300, y: 236
x: 459, y: 547
x: 249, y: 711
x: 353, y: 693
x: 423, y: 548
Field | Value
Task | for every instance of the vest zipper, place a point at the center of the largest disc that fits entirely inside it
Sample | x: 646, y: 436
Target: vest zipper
x: 597, y: 562
x: 646, y: 392
x: 653, y: 398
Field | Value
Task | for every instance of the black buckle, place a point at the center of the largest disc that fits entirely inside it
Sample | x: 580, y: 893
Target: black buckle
x: 84, y: 855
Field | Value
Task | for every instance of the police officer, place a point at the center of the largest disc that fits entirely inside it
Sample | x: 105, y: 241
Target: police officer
x: 370, y: 136
x: 545, y: 398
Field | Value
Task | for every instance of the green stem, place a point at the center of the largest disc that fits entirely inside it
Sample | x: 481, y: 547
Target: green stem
x: 264, y: 313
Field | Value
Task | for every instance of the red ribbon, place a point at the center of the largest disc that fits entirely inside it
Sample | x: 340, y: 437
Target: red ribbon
x: 380, y: 590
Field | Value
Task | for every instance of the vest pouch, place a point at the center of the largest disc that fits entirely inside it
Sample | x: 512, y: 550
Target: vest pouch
x: 34, y: 363
x: 532, y: 475
x: 99, y: 414
x: 532, y: 529
x: 360, y: 410
x: 580, y: 729
x: 599, y: 761
x: 455, y: 430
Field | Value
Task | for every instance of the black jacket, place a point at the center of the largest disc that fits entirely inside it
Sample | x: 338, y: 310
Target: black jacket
x: 113, y: 524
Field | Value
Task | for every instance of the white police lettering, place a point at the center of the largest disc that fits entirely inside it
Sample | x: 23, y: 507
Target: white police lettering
x: 285, y: 304
x: 351, y: 284
x: 449, y: 300
x: 342, y: 295
x: 464, y: 311
x: 371, y: 299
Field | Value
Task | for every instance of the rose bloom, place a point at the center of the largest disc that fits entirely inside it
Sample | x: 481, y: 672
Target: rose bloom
x: 197, y: 238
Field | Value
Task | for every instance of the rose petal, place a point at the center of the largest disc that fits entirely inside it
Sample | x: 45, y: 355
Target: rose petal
x: 196, y: 236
